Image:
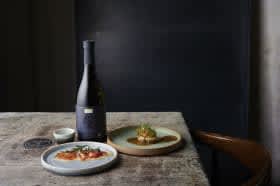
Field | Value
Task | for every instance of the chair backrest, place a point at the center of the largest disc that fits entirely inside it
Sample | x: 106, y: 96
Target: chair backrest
x: 250, y: 154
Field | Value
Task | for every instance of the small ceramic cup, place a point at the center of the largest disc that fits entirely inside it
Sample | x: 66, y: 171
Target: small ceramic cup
x: 64, y: 135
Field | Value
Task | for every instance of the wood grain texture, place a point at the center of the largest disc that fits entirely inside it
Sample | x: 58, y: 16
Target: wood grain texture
x: 22, y: 167
x: 250, y: 154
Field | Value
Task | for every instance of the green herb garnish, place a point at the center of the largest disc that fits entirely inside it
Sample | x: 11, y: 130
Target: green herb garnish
x: 83, y: 148
x: 145, y: 130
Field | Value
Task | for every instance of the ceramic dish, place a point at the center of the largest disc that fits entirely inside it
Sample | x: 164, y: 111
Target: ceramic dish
x: 64, y: 135
x: 118, y: 139
x: 77, y: 167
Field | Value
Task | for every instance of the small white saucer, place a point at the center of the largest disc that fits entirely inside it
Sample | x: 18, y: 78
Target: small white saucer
x: 64, y: 135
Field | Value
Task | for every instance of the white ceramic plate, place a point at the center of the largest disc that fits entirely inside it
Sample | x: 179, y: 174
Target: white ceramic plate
x: 77, y: 167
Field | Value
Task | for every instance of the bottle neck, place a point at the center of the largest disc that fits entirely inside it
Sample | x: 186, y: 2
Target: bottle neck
x: 89, y: 61
x: 89, y: 55
x: 89, y: 66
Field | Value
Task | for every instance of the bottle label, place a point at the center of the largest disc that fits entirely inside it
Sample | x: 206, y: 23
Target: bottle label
x: 91, y: 123
x: 88, y: 110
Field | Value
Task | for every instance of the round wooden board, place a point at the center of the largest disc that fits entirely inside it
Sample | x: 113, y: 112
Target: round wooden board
x: 118, y: 139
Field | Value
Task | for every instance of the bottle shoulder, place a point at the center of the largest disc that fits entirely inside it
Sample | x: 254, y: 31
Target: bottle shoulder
x: 90, y: 94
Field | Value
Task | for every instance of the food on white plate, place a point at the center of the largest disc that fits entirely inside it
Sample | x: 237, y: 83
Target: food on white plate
x: 145, y: 135
x: 81, y: 152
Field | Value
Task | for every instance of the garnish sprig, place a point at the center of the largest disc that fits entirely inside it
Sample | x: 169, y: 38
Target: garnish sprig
x: 83, y: 148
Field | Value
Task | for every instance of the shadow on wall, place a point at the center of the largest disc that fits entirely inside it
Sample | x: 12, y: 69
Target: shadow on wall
x: 39, y: 56
x: 254, y: 93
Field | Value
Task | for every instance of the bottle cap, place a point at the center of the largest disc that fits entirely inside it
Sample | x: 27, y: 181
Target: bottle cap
x: 88, y: 44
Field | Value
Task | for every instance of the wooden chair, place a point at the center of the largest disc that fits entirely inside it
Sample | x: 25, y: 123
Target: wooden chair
x: 250, y: 154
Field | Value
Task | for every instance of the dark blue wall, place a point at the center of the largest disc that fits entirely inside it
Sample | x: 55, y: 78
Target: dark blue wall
x: 186, y: 55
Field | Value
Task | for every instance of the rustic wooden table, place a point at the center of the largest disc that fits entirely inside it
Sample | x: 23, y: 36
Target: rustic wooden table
x: 22, y: 167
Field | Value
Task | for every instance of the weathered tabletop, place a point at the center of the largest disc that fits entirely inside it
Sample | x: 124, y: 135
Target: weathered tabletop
x: 22, y: 167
